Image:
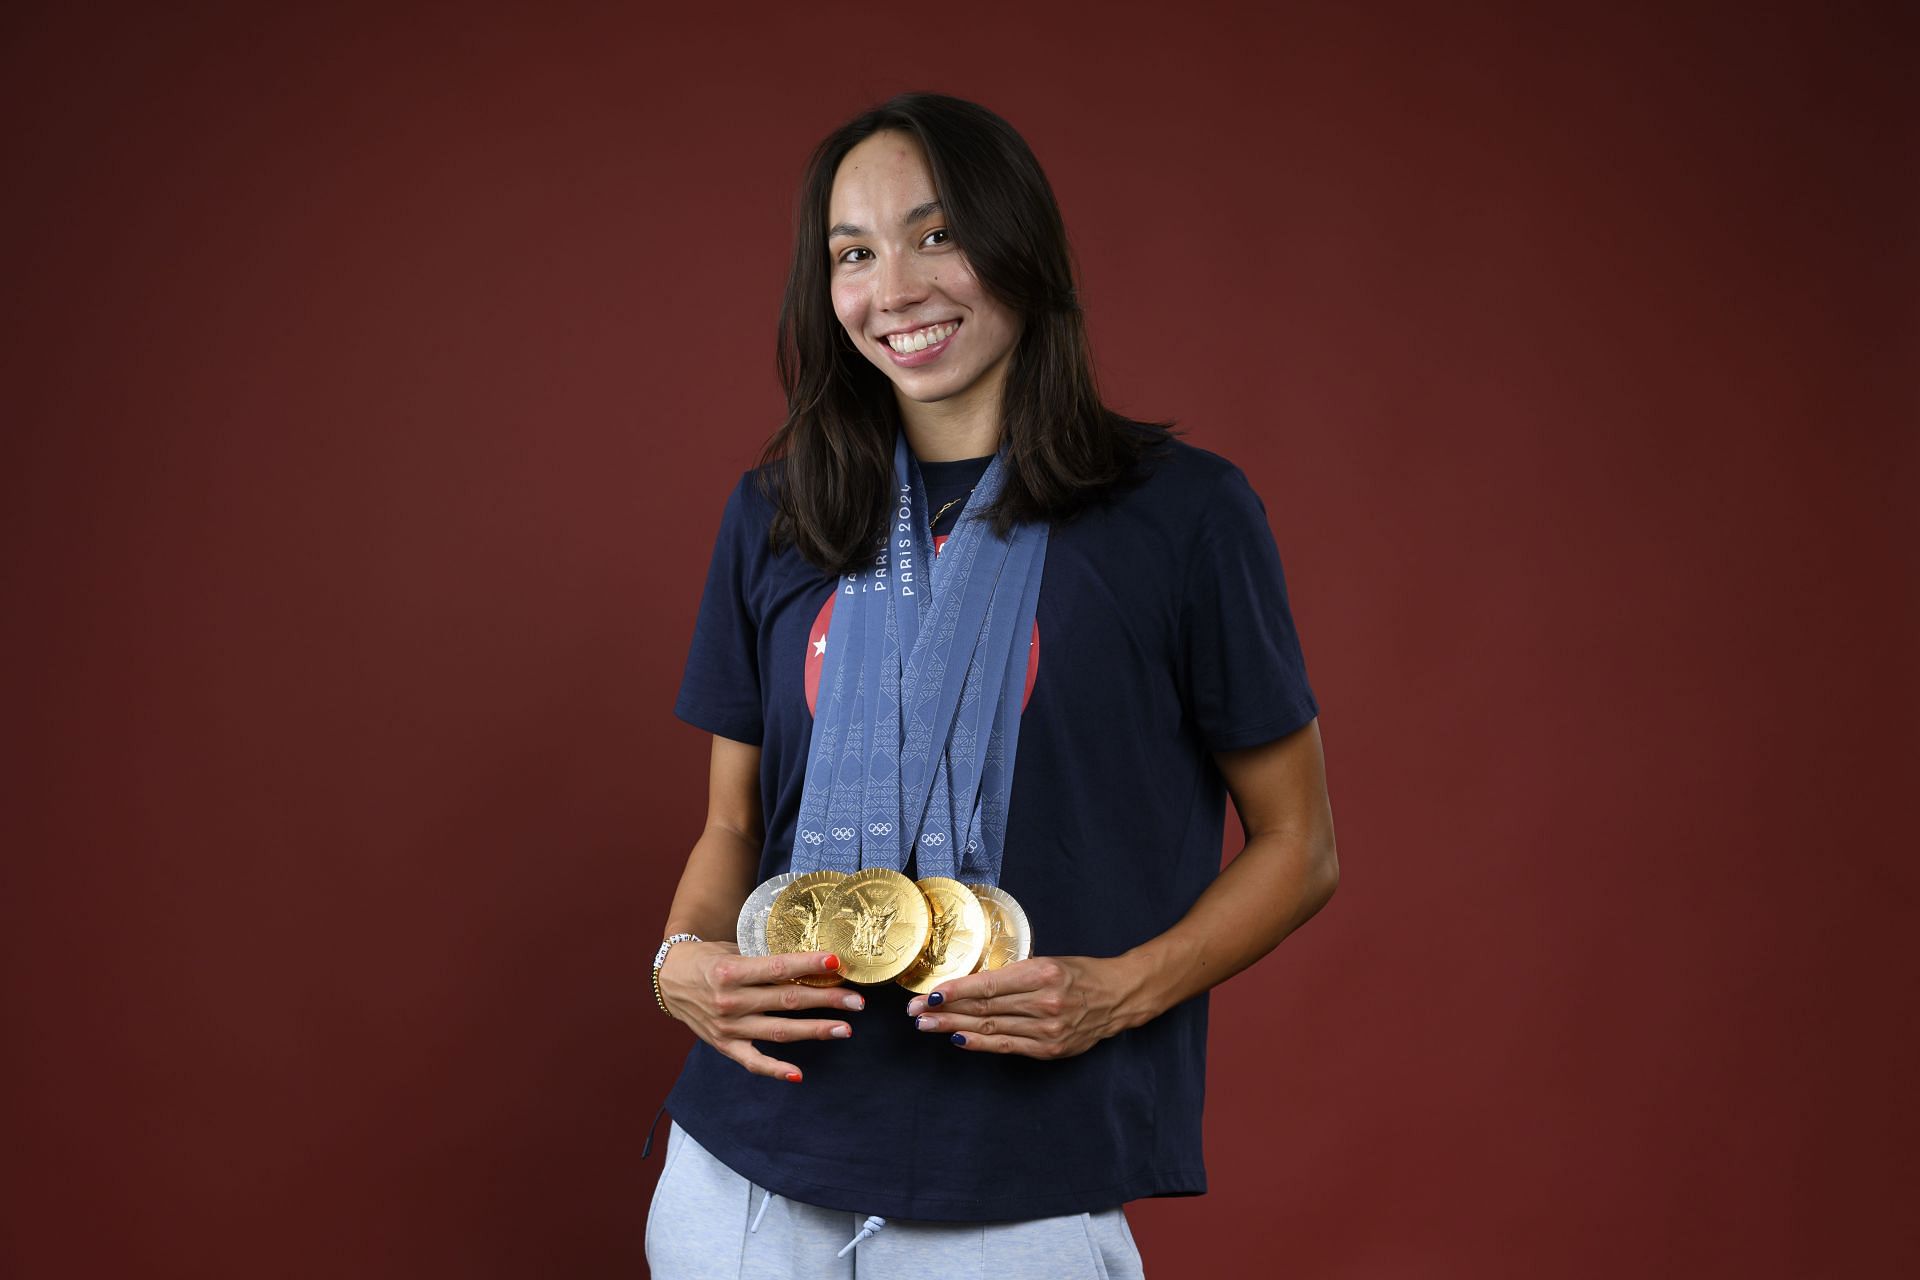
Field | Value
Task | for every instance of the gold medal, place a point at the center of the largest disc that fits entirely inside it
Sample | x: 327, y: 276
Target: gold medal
x: 877, y: 921
x: 956, y: 937
x: 796, y: 919
x: 1009, y: 936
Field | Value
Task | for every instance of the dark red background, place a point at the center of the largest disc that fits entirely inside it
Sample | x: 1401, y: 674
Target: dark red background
x: 373, y: 382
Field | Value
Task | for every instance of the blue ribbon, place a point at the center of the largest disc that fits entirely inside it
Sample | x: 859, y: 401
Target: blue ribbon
x: 918, y: 710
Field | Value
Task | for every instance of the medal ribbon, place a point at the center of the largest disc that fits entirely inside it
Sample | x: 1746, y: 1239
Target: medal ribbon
x: 918, y: 718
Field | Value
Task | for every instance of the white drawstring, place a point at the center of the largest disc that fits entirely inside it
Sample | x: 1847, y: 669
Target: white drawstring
x: 866, y: 1230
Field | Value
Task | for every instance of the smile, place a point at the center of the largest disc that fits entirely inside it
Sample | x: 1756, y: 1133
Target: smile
x: 921, y: 345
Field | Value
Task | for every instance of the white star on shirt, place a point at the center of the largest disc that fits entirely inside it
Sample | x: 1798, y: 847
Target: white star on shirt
x: 820, y: 646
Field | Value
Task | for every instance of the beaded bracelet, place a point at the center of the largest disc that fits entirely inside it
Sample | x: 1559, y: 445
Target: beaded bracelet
x: 660, y: 958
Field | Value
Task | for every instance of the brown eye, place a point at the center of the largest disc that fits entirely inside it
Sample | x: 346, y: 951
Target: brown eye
x: 943, y: 232
x: 855, y: 249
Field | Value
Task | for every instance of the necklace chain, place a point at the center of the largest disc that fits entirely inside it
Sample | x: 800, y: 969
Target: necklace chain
x: 943, y: 510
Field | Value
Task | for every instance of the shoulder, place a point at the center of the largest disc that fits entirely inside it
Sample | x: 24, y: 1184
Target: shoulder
x: 752, y: 500
x: 1194, y: 467
x: 1187, y: 480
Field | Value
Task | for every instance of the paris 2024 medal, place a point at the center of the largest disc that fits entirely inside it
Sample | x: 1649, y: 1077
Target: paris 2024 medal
x: 877, y: 921
x: 956, y: 938
x: 1009, y: 936
x: 797, y: 922
x: 751, y: 929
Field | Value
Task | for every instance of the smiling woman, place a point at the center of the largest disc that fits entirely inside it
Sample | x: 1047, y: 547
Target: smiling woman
x: 907, y: 298
x: 999, y: 881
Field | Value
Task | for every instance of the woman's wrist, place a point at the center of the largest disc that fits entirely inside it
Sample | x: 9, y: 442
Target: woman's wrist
x: 676, y: 939
x: 1150, y: 977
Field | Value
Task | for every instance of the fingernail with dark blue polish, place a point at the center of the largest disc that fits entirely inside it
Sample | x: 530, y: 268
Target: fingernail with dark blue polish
x: 958, y: 1038
x: 936, y: 998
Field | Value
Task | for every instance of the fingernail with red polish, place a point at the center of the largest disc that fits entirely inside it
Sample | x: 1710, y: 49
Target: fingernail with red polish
x: 833, y: 962
x: 794, y: 1076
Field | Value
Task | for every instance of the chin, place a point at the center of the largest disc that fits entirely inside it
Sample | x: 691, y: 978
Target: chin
x: 931, y: 397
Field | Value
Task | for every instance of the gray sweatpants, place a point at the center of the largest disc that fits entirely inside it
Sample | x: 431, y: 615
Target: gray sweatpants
x: 701, y: 1226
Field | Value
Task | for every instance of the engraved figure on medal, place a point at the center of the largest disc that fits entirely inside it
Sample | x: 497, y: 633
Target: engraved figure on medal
x: 997, y: 933
x: 795, y: 921
x: 807, y: 918
x: 942, y: 937
x: 870, y: 924
x: 956, y: 937
x: 1009, y: 935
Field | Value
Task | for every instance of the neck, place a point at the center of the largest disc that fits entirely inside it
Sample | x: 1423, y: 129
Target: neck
x: 963, y: 426
x: 941, y: 441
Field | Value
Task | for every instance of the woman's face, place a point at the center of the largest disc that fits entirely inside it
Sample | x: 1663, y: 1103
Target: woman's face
x: 897, y: 277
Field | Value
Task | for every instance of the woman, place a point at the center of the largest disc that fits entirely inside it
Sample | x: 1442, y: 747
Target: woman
x: 947, y: 460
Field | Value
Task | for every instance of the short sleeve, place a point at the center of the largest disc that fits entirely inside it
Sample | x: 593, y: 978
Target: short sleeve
x: 1245, y: 678
x: 720, y: 688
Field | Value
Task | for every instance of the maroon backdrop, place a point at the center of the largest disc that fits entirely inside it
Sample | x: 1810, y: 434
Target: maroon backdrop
x: 372, y: 386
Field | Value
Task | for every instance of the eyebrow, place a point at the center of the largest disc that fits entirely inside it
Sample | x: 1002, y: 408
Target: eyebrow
x: 913, y: 215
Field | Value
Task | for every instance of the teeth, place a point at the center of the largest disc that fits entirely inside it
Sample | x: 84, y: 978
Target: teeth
x: 921, y: 339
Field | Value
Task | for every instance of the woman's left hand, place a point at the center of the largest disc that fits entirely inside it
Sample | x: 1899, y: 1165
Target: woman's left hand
x: 1043, y: 1007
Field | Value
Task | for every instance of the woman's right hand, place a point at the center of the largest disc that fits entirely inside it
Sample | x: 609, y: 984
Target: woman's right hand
x: 726, y: 998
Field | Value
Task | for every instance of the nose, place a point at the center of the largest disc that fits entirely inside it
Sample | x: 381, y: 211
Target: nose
x: 903, y: 282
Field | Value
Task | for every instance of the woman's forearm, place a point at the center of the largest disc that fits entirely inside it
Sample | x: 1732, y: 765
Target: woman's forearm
x: 1275, y: 885
x: 718, y: 877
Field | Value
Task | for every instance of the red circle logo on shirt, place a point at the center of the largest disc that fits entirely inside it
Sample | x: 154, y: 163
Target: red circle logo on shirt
x: 817, y: 645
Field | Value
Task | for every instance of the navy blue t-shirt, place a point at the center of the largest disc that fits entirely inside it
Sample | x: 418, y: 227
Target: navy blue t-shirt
x: 1163, y: 634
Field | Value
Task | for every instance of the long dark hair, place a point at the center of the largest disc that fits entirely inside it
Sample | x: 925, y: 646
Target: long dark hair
x: 1065, y: 448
